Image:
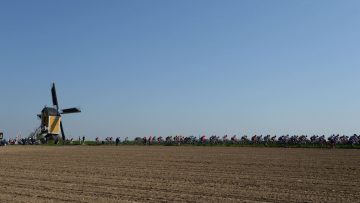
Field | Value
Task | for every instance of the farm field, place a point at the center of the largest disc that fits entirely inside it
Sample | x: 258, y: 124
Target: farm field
x: 178, y: 174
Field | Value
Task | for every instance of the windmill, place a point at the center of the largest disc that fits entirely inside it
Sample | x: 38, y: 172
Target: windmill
x: 51, y: 124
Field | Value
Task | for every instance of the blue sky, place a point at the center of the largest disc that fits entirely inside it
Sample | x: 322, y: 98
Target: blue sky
x: 140, y: 68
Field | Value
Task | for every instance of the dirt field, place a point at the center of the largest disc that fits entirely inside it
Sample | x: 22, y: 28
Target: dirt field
x: 177, y: 174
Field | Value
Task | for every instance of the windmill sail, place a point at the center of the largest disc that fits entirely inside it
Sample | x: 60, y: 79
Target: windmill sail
x: 54, y: 96
x: 62, y: 132
x: 70, y: 110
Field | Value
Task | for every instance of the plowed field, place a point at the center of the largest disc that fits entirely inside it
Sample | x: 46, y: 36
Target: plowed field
x: 178, y: 174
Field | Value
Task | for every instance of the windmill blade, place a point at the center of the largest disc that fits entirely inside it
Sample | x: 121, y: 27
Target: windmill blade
x: 62, y: 131
x: 70, y: 110
x: 54, y: 96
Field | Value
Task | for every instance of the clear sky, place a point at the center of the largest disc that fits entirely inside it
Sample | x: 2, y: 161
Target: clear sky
x: 141, y: 68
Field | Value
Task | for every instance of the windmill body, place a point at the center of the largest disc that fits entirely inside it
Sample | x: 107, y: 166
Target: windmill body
x: 50, y: 121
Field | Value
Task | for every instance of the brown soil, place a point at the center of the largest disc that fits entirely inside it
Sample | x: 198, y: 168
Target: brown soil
x: 178, y: 174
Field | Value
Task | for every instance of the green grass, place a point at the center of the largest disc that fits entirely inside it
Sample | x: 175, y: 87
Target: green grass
x: 130, y: 143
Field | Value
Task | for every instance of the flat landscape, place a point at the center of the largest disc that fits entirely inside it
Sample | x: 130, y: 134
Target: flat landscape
x: 178, y: 174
